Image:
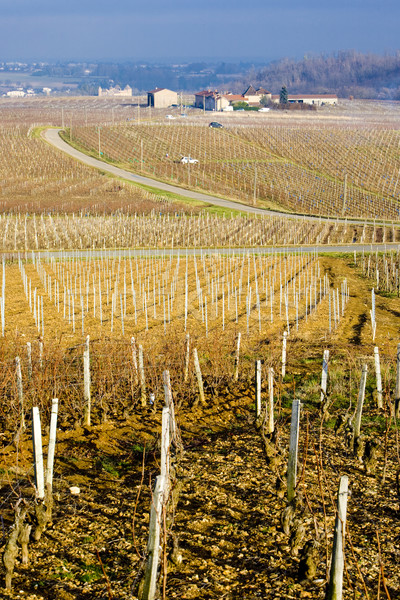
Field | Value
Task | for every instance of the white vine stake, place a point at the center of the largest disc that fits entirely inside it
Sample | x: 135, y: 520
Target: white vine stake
x: 293, y: 448
x: 86, y: 383
x: 199, y: 376
x: 258, y: 387
x: 324, y: 376
x: 37, y: 453
x: 187, y: 357
x: 236, y: 374
x: 284, y: 354
x: 378, y: 378
x: 360, y: 402
x: 20, y: 391
x: 142, y: 379
x: 165, y: 431
x: 52, y: 442
x: 134, y: 360
x: 271, y: 425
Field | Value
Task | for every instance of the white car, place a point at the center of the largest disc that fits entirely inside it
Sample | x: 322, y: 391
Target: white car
x: 264, y: 109
x: 169, y: 117
x: 186, y: 160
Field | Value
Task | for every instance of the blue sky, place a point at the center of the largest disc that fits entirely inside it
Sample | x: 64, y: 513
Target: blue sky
x: 247, y: 29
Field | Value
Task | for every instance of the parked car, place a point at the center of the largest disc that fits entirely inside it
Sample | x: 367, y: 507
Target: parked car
x: 264, y: 109
x: 169, y: 117
x: 186, y: 160
x: 216, y: 125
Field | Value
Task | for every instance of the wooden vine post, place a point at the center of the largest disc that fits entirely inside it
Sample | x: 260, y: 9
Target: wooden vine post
x: 174, y: 434
x: 293, y: 450
x: 153, y: 545
x: 335, y: 585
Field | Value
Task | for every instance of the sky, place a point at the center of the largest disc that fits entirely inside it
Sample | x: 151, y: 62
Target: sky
x: 49, y: 30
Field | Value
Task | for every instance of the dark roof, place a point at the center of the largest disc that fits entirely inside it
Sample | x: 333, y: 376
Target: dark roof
x: 251, y: 91
x: 156, y: 90
x: 207, y: 93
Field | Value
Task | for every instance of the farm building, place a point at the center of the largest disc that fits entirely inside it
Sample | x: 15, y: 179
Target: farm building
x: 210, y: 100
x: 161, y: 98
x: 116, y: 91
x: 254, y: 96
x: 316, y: 99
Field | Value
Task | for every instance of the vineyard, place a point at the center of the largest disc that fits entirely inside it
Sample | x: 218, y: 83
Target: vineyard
x: 339, y: 171
x: 199, y: 383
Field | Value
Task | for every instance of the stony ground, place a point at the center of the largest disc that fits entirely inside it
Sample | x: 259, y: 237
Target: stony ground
x: 232, y: 534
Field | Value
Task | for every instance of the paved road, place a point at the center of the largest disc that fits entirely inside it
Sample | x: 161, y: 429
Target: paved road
x: 52, y: 136
x: 147, y: 252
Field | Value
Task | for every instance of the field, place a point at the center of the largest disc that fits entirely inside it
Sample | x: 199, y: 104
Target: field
x: 312, y: 168
x: 146, y: 283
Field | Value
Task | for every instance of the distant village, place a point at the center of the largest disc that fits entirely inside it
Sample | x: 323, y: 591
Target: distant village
x: 208, y: 100
x: 213, y: 100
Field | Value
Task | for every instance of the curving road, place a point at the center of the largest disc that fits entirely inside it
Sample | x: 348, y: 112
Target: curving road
x: 52, y: 136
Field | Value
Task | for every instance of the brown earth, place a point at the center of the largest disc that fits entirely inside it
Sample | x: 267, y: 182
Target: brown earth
x: 226, y: 538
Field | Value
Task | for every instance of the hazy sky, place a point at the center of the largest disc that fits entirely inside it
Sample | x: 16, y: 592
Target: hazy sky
x: 248, y: 29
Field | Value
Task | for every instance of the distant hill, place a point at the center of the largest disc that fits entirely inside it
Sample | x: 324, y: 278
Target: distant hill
x: 346, y: 73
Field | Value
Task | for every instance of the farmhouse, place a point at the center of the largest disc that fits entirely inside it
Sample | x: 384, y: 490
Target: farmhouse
x: 254, y: 96
x: 116, y: 91
x: 161, y: 98
x: 210, y: 100
x: 315, y: 99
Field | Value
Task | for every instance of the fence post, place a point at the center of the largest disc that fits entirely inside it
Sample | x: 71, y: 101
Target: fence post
x: 86, y: 383
x: 335, y: 586
x: 293, y: 448
x: 37, y: 453
x: 52, y: 442
x: 199, y: 377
